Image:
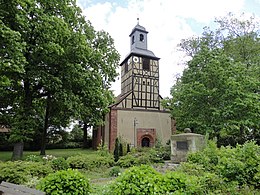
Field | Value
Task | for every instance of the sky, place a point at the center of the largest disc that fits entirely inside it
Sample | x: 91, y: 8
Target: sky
x: 167, y: 21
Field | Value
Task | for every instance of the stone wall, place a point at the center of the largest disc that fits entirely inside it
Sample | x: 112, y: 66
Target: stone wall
x: 183, y: 143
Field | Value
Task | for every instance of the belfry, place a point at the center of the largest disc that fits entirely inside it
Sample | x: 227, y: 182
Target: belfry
x: 137, y: 116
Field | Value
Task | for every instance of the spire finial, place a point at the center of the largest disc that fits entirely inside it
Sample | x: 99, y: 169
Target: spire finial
x: 138, y: 20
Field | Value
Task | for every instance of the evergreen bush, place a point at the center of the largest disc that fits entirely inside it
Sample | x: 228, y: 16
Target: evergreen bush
x: 116, y: 150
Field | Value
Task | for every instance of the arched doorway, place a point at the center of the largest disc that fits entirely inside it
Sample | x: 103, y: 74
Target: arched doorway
x: 145, y: 142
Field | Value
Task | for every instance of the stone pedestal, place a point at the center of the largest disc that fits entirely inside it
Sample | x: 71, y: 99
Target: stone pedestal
x: 183, y: 143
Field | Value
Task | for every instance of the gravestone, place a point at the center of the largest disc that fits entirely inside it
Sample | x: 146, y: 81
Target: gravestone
x: 183, y: 143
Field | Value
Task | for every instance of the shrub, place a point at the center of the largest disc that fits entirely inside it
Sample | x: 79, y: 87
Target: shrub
x: 128, y: 148
x: 102, y: 150
x: 48, y: 158
x: 128, y: 160
x: 209, y: 181
x: 33, y: 158
x: 180, y: 183
x: 59, y: 164
x: 137, y: 180
x: 65, y: 182
x: 208, y: 157
x: 115, y: 171
x: 120, y: 150
x: 140, y: 156
x: 240, y: 164
x: 77, y: 162
x: 235, y: 165
x: 191, y: 169
x: 163, y: 151
x: 116, y: 150
x: 20, y: 172
x: 90, y: 161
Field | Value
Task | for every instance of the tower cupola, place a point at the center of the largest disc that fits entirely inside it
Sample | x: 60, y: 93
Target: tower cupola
x: 138, y: 37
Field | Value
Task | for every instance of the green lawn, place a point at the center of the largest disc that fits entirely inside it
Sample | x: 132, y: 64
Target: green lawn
x: 5, y: 156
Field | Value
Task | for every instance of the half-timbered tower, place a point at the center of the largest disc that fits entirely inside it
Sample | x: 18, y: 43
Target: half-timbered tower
x: 140, y: 74
x: 137, y: 117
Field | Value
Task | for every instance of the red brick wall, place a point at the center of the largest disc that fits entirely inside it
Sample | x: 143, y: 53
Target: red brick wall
x: 149, y: 133
x: 112, y: 129
x: 96, y: 137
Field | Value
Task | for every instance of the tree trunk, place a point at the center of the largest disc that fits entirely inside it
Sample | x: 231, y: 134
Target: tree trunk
x: 18, y: 151
x: 46, y: 125
x: 85, y: 135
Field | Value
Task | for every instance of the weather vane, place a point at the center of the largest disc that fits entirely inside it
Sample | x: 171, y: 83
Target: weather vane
x: 137, y: 20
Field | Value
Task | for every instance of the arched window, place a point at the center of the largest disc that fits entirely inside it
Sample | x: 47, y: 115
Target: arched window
x: 141, y: 37
x: 133, y: 39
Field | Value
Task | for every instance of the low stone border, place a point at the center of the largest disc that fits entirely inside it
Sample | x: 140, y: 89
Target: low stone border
x: 7, y: 188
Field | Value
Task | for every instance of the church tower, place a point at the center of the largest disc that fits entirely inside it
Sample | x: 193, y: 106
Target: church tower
x: 140, y: 73
x: 137, y: 117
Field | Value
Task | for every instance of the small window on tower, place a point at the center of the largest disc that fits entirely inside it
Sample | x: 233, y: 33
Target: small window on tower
x: 126, y: 67
x: 133, y: 39
x: 146, y: 64
x: 141, y: 37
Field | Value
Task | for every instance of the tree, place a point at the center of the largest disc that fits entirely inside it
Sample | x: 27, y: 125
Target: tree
x: 218, y: 91
x: 76, y: 134
x: 116, y: 150
x: 61, y: 67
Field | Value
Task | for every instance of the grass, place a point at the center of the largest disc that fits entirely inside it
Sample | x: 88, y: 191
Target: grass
x: 7, y: 155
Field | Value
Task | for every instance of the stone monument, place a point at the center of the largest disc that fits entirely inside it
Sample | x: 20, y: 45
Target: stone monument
x: 185, y: 142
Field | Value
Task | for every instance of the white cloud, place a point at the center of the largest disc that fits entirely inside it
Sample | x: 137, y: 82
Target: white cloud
x: 166, y: 21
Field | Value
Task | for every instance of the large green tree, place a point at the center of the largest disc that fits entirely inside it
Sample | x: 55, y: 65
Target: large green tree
x: 56, y: 67
x: 218, y: 91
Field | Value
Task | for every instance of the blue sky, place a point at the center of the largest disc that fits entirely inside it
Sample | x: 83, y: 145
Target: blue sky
x: 168, y: 21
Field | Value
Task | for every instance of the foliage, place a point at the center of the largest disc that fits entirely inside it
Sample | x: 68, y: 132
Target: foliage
x: 65, y: 182
x: 137, y: 180
x: 33, y: 158
x: 102, y: 150
x: 116, y: 150
x: 120, y: 150
x: 90, y: 161
x: 32, y: 182
x: 76, y: 134
x: 209, y: 182
x: 55, y: 67
x: 139, y: 157
x: 20, y: 172
x: 163, y: 152
x: 239, y: 164
x: 47, y: 158
x: 208, y: 158
x: 115, y: 171
x: 180, y: 183
x: 128, y: 148
x: 220, y: 82
x: 128, y: 160
x: 59, y: 164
